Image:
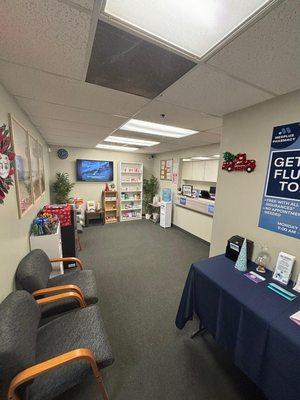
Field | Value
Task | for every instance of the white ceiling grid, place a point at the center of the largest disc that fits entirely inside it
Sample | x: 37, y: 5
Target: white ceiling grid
x: 44, y: 51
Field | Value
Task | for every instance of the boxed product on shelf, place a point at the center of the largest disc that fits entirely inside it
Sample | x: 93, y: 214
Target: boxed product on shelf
x: 130, y: 189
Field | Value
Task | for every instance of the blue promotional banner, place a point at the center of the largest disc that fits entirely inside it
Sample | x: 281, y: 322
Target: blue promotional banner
x: 280, y: 209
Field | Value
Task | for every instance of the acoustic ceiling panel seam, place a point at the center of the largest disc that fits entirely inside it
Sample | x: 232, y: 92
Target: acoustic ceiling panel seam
x: 158, y: 99
x: 189, y: 108
x: 68, y: 120
x: 17, y: 96
x: 220, y: 70
x: 26, y: 115
x: 81, y: 131
x: 92, y: 33
x: 78, y: 7
x: 41, y: 70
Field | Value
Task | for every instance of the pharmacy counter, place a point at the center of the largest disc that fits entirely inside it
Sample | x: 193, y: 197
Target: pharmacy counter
x: 194, y: 216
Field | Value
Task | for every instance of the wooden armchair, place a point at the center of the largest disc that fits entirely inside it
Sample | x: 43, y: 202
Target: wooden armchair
x: 33, y: 275
x: 47, y: 361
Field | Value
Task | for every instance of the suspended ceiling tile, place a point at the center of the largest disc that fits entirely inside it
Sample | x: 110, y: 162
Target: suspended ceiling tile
x: 90, y: 144
x: 88, y: 4
x: 128, y: 63
x: 164, y: 147
x: 178, y: 116
x: 61, y: 136
x: 58, y: 112
x: 268, y: 53
x: 192, y: 25
x: 199, y: 139
x: 55, y: 124
x: 65, y: 136
x: 26, y: 82
x: 213, y: 92
x: 48, y: 35
x: 196, y: 140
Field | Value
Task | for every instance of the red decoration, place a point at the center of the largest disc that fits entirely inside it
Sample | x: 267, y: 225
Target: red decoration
x: 106, y: 188
x: 7, y: 162
x: 62, y: 211
x: 238, y: 162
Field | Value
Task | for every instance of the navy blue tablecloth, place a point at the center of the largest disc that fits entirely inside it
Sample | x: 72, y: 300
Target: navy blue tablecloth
x: 249, y: 321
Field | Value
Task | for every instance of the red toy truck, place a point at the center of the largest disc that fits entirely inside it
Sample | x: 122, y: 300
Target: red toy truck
x: 240, y: 163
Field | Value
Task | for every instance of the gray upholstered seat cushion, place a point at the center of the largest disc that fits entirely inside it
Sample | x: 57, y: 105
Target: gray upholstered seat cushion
x: 19, y: 319
x: 33, y: 271
x: 82, y: 328
x: 85, y: 279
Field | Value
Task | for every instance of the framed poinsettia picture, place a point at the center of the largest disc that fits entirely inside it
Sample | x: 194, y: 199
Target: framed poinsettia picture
x: 24, y: 187
x: 41, y: 169
x: 34, y: 167
x: 7, y: 162
x: 29, y: 166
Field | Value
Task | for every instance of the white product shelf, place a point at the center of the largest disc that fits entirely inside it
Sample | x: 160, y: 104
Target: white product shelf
x: 136, y: 182
x: 131, y: 218
x: 129, y: 169
x: 128, y: 200
x: 131, y: 209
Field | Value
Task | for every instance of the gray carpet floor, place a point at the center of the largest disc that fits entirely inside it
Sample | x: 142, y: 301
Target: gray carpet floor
x: 141, y: 270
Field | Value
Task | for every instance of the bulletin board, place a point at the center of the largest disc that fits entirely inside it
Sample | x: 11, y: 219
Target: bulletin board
x: 166, y: 167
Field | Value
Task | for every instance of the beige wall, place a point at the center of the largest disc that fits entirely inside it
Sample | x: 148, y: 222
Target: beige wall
x: 239, y: 194
x: 14, y: 232
x: 93, y: 190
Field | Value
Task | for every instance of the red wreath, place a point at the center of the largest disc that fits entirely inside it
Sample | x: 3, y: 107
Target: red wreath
x: 7, y: 162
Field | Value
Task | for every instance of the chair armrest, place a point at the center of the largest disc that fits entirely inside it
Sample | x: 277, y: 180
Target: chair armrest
x: 63, y: 296
x: 48, y: 365
x: 68, y: 259
x: 58, y: 289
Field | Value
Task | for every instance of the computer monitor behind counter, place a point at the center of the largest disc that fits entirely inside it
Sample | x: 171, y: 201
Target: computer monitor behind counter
x: 212, y: 190
x: 204, y: 194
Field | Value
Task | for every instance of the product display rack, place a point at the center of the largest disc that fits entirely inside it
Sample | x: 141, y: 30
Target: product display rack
x: 110, y: 206
x: 131, y: 190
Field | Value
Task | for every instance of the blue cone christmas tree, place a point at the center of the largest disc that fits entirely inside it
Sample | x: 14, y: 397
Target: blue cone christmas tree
x: 241, y: 262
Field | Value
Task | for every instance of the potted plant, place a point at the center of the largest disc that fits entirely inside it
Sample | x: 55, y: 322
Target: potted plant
x: 62, y: 188
x: 150, y: 188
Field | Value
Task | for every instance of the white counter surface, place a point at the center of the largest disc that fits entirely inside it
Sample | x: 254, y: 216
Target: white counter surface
x: 203, y: 206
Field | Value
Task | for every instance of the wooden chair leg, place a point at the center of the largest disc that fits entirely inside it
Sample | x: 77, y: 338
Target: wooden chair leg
x: 78, y: 243
x: 99, y: 379
x: 102, y: 389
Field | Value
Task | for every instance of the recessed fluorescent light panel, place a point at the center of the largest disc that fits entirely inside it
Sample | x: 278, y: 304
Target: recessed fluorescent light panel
x: 137, y: 125
x: 134, y: 142
x: 206, y: 22
x: 186, y: 159
x: 201, y: 158
x: 116, y: 148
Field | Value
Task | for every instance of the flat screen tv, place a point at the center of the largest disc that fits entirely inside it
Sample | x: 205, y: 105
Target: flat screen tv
x: 94, y: 170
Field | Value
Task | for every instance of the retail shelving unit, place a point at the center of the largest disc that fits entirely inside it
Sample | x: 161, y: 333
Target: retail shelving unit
x: 131, y: 190
x: 110, y: 206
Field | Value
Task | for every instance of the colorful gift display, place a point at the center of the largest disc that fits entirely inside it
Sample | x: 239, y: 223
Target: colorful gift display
x: 45, y: 224
x: 63, y: 211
